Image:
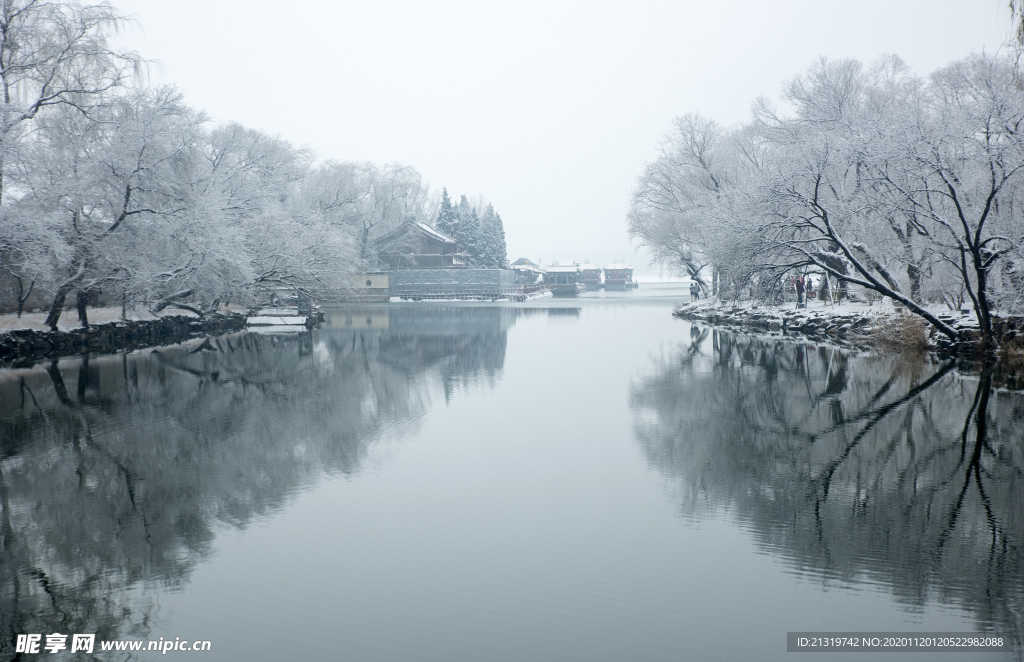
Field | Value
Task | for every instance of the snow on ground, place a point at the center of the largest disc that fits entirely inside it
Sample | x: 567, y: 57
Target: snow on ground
x: 848, y: 322
x: 69, y: 318
x: 818, y: 309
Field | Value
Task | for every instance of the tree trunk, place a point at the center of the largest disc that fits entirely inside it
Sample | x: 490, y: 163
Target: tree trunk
x: 877, y: 266
x: 694, y: 271
x: 364, y: 241
x: 61, y: 296
x: 168, y: 300
x: 23, y: 297
x: 58, y: 305
x: 914, y: 274
x: 869, y: 281
x: 81, y: 302
x: 984, y: 314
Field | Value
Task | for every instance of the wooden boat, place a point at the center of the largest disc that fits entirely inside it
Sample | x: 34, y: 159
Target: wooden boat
x: 564, y: 279
x: 619, y: 276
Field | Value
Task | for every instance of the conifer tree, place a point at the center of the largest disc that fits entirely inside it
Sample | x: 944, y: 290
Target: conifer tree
x: 447, y: 216
x: 492, y: 250
x: 468, y: 232
x: 501, y: 251
x: 480, y: 235
x: 488, y: 246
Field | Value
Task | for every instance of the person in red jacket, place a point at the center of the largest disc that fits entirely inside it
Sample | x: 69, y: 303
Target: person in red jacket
x: 799, y: 290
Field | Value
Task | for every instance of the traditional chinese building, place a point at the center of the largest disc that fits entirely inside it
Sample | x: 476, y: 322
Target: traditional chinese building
x: 414, y: 245
x: 527, y: 272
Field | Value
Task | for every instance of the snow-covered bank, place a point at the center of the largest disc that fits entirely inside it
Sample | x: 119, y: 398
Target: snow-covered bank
x: 849, y: 324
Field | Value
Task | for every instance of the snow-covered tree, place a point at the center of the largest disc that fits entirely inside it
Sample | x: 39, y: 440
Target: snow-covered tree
x: 907, y: 187
x: 492, y: 240
x: 447, y: 220
x: 467, y: 234
x: 105, y: 185
x: 52, y: 55
x: 681, y: 206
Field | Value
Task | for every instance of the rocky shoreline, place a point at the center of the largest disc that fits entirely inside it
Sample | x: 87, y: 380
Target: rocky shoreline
x: 24, y: 346
x: 846, y: 328
x: 838, y: 329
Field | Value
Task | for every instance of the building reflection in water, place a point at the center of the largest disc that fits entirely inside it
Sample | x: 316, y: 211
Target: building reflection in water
x: 116, y: 471
x: 853, y: 469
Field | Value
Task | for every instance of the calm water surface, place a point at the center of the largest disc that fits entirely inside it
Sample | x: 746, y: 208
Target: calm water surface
x: 583, y: 479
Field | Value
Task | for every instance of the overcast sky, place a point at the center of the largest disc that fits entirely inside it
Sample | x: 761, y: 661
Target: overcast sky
x: 549, y: 109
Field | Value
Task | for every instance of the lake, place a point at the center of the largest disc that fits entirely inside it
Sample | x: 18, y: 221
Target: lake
x: 567, y: 479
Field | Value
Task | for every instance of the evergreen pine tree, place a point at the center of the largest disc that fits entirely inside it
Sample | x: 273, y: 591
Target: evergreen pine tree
x: 468, y: 232
x: 501, y: 251
x: 447, y: 216
x: 488, y: 240
x: 494, y: 240
x: 480, y: 237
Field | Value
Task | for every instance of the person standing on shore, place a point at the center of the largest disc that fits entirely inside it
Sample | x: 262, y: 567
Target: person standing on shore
x: 799, y: 291
x: 694, y: 292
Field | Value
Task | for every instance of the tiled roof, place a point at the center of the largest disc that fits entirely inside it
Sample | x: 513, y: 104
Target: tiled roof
x: 434, y: 233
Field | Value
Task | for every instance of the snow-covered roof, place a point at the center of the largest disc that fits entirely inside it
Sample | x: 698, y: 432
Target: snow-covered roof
x: 420, y: 227
x: 587, y: 265
x: 523, y: 263
x: 434, y: 233
x: 563, y: 268
x: 619, y: 265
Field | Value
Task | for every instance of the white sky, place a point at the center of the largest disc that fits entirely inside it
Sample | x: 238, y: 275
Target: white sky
x: 549, y: 109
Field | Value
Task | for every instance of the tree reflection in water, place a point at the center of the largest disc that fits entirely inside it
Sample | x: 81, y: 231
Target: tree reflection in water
x: 116, y: 471
x: 851, y: 468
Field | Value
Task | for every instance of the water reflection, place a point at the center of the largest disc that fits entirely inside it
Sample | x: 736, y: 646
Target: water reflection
x: 116, y: 471
x: 853, y: 469
x: 564, y: 313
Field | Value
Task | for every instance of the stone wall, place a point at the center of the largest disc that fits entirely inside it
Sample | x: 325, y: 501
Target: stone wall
x: 27, y: 345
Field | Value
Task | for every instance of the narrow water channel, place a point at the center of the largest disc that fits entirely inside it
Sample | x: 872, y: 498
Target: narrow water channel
x: 586, y: 479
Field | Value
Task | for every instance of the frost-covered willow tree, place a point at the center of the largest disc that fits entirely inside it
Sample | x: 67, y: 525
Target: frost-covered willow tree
x: 881, y: 180
x: 905, y: 186
x: 56, y: 54
x: 111, y: 188
x: 52, y: 55
x: 144, y: 201
x: 683, y: 201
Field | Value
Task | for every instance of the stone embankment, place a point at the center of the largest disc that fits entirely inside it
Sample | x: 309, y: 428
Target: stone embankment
x: 839, y: 328
x: 848, y: 326
x: 27, y: 345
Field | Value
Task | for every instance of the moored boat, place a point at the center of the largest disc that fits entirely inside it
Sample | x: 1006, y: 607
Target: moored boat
x: 619, y: 276
x: 591, y: 276
x: 564, y: 279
